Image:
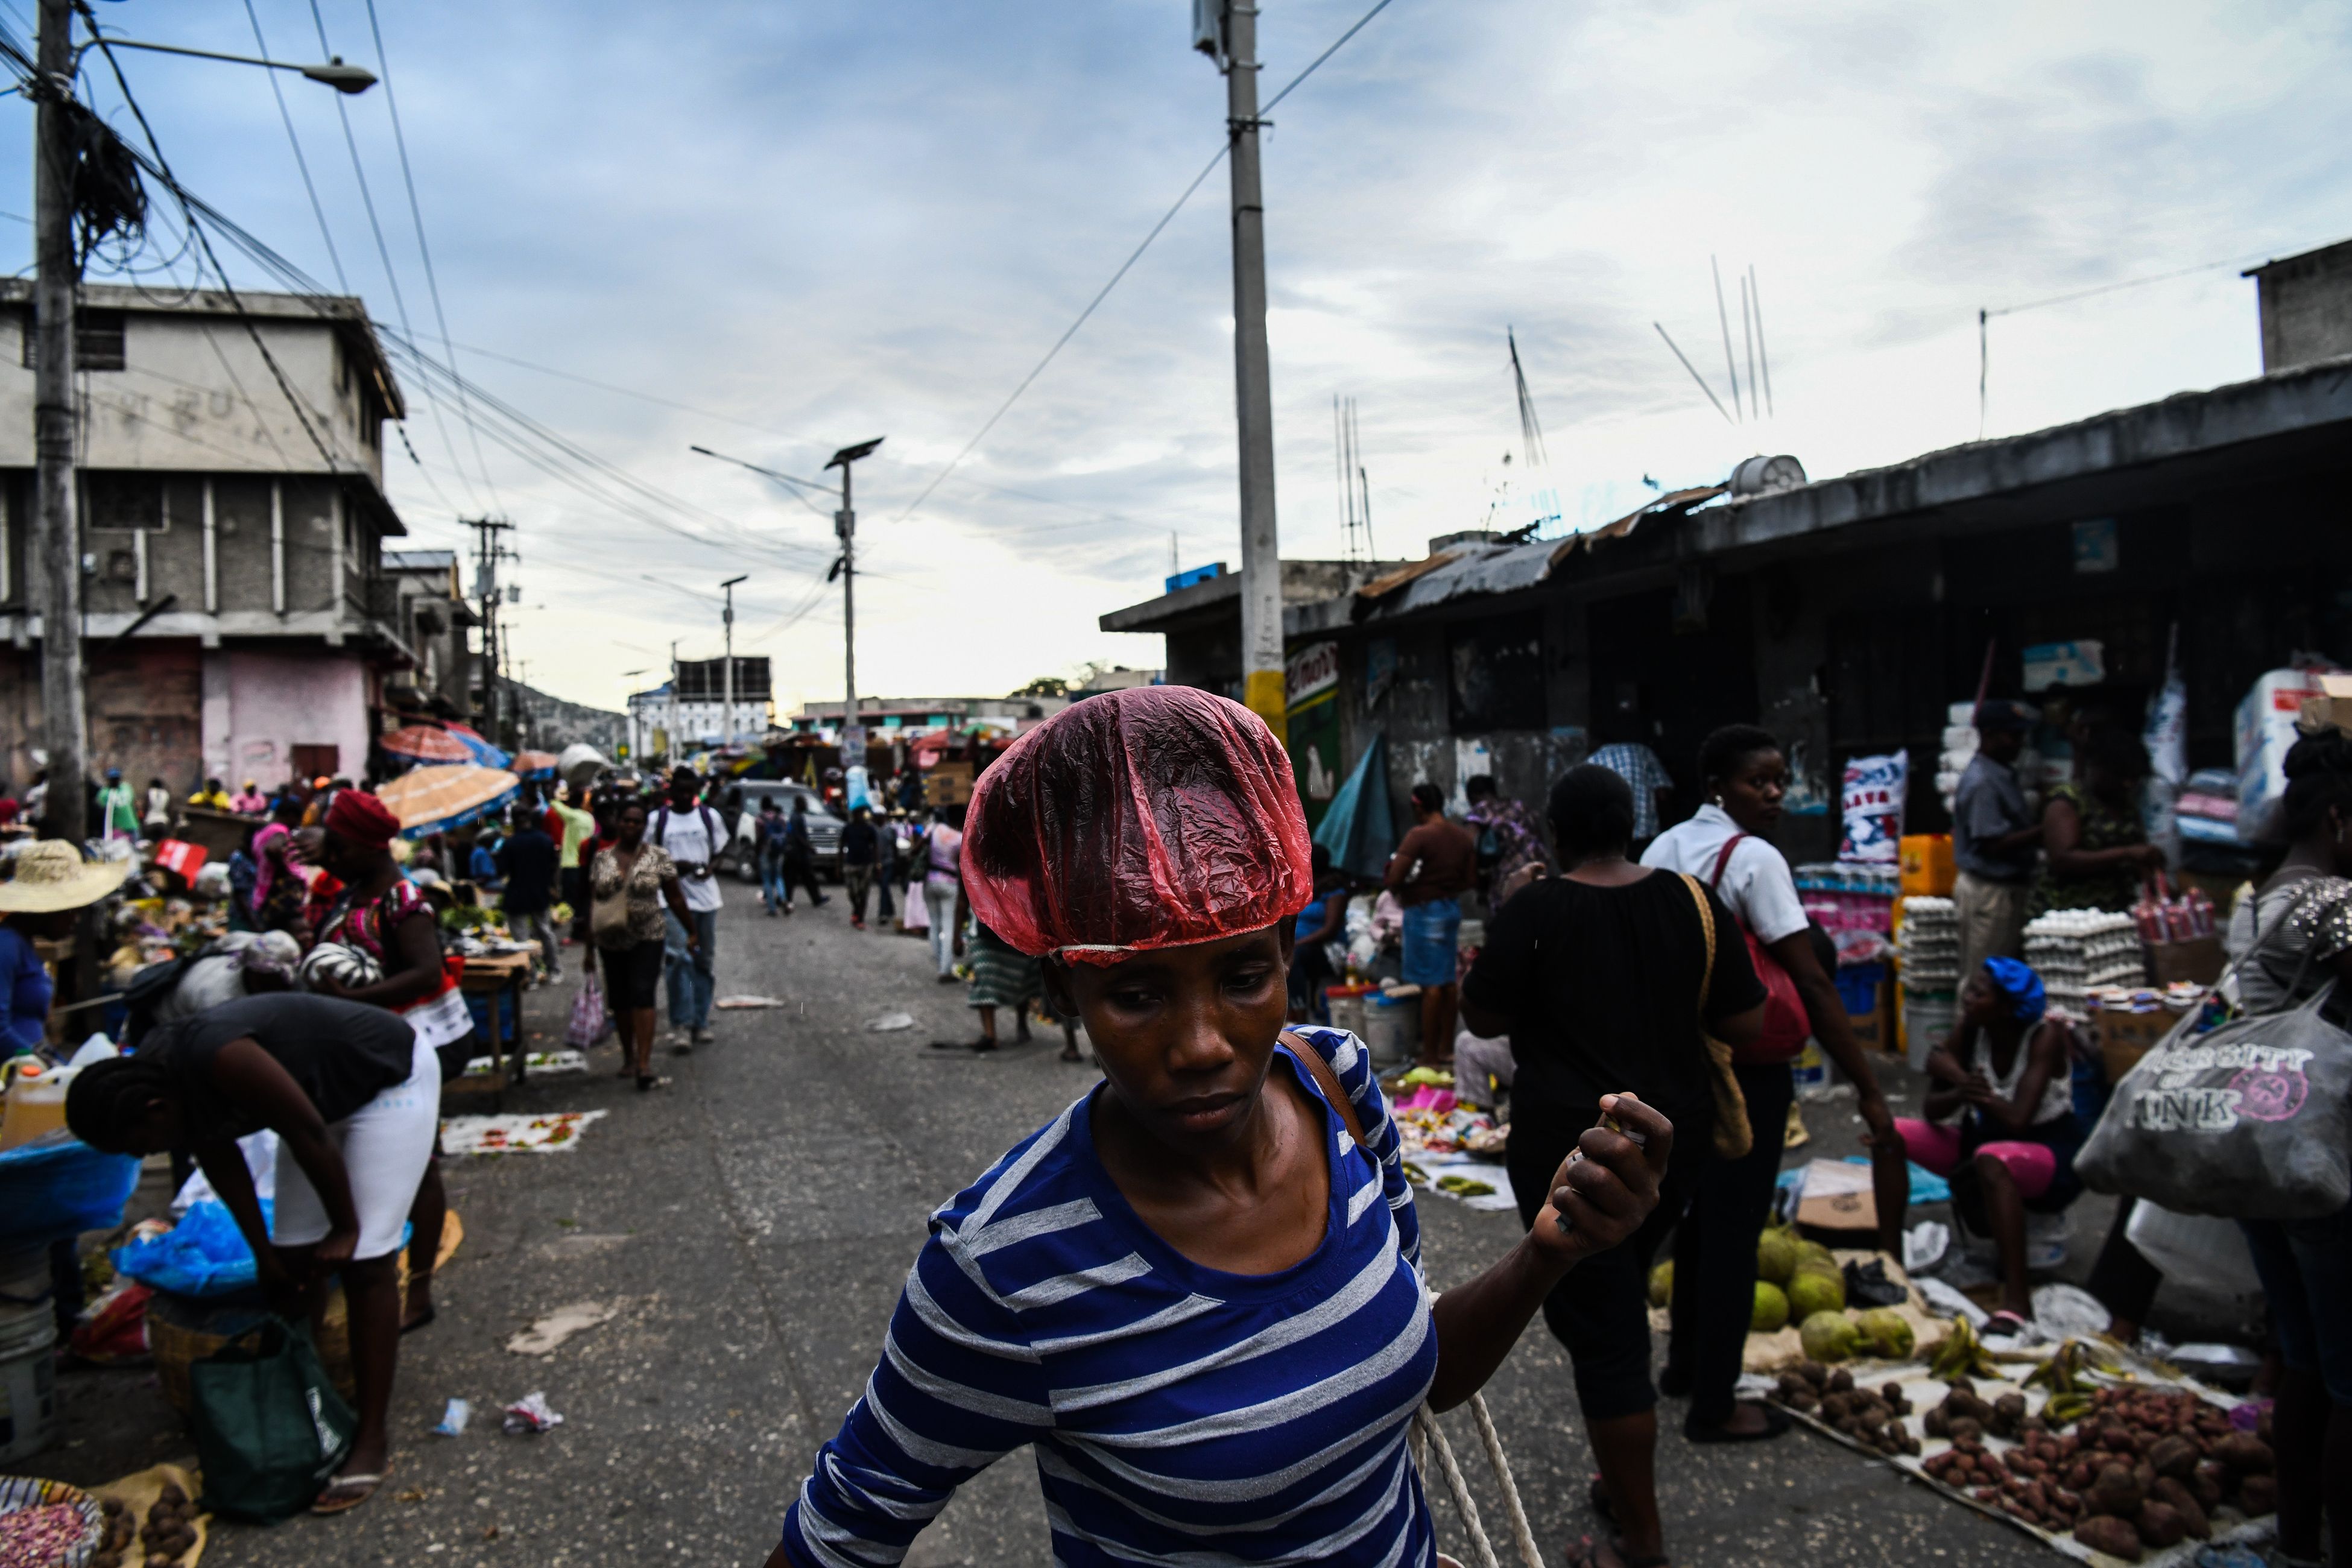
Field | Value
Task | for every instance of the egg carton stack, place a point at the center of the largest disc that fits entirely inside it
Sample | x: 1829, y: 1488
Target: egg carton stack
x: 1928, y: 957
x: 2077, y: 951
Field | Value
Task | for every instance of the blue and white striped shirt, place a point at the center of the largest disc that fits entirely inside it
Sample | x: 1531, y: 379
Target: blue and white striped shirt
x: 1180, y: 1415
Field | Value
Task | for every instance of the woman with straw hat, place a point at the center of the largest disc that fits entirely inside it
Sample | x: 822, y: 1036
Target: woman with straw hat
x: 52, y: 886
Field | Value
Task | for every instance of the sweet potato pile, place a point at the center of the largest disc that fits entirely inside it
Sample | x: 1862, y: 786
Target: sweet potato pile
x: 2144, y: 1470
x: 1872, y: 1418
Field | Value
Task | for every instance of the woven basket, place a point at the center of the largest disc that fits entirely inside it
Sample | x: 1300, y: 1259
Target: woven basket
x: 184, y: 1330
x: 28, y: 1491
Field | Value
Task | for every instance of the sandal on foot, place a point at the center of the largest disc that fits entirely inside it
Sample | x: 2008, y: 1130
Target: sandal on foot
x: 346, y: 1492
x: 1597, y: 1493
x: 647, y: 1080
x: 1776, y: 1423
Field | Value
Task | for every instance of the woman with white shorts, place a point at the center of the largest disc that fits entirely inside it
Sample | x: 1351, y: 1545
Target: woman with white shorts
x: 353, y: 1095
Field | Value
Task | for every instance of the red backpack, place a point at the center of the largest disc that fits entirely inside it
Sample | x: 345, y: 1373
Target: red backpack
x: 1787, y: 1026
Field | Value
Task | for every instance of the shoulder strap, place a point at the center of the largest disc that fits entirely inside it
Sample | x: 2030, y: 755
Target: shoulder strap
x: 1722, y: 859
x: 709, y: 826
x: 1706, y: 924
x: 1329, y: 1082
x: 661, y: 821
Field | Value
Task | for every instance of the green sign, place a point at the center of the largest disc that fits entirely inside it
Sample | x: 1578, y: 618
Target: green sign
x: 1313, y: 681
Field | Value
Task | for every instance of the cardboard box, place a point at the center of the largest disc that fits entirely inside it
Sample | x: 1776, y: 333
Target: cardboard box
x: 2197, y: 960
x: 1874, y: 1029
x: 2332, y: 706
x: 948, y: 783
x: 2124, y: 1037
x: 1838, y: 1197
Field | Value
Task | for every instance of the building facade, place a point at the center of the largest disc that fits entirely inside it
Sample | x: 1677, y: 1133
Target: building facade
x: 237, y: 620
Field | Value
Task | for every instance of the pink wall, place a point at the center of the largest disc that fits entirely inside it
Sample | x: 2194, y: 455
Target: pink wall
x: 275, y: 702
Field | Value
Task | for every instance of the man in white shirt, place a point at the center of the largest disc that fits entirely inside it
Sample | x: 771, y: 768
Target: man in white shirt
x: 695, y: 834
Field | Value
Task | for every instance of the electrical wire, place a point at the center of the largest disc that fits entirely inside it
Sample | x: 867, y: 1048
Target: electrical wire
x: 432, y: 280
x: 334, y: 257
x: 1137, y: 254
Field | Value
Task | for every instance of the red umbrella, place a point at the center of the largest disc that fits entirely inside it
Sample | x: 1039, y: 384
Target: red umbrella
x: 424, y: 744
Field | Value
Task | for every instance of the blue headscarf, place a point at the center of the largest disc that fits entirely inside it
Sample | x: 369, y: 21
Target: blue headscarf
x: 2020, y: 986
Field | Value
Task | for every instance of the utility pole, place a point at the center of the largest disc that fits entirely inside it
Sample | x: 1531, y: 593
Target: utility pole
x: 727, y: 619
x: 57, y: 275
x: 487, y: 553
x: 677, y: 749
x: 845, y: 528
x: 1262, y: 680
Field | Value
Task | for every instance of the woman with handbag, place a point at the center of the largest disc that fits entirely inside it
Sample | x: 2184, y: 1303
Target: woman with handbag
x: 2293, y: 940
x: 629, y: 882
x: 1612, y: 976
x: 1726, y: 844
x: 1197, y: 1293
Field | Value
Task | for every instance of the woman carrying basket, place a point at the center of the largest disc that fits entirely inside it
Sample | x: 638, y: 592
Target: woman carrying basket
x: 1196, y: 1293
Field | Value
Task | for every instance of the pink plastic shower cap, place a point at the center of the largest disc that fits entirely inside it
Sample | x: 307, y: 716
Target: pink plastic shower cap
x: 1152, y: 817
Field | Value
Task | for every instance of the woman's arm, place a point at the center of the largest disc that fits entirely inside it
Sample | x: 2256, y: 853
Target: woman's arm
x: 2062, y: 840
x: 250, y: 1079
x: 224, y: 1166
x: 2045, y: 1056
x: 1603, y: 1198
x: 417, y: 941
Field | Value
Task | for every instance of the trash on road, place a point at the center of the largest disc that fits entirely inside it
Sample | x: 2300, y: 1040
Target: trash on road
x: 453, y: 1419
x: 890, y: 1022
x: 548, y: 1062
x: 514, y: 1134
x: 738, y: 1004
x: 548, y: 1334
x: 530, y: 1414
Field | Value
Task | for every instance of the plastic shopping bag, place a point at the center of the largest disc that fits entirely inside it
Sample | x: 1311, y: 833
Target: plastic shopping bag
x: 2250, y: 1120
x: 587, y: 1025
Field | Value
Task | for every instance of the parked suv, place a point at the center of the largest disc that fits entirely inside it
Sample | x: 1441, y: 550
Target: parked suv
x: 742, y: 803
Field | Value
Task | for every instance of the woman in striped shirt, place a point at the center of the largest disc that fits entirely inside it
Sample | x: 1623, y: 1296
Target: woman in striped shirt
x: 1196, y: 1294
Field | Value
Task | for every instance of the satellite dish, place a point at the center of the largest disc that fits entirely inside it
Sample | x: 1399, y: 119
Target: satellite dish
x: 1761, y: 476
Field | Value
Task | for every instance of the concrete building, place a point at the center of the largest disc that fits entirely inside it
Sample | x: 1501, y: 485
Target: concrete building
x: 434, y: 620
x: 691, y: 708
x: 1846, y: 615
x: 884, y: 716
x: 237, y: 621
x: 2307, y: 306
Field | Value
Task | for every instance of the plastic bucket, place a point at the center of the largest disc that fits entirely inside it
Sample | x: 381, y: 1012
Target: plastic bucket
x: 1346, y: 1003
x: 28, y: 1385
x: 1393, y: 1030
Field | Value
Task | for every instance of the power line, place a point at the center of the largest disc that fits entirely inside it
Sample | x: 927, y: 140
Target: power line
x: 333, y: 256
x: 416, y: 215
x: 1137, y: 254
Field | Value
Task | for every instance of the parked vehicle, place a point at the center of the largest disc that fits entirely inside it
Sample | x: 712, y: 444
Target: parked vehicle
x: 742, y: 803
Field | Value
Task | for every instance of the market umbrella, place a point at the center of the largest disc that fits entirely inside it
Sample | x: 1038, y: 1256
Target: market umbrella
x: 478, y: 749
x: 424, y: 744
x: 534, y: 765
x: 433, y: 800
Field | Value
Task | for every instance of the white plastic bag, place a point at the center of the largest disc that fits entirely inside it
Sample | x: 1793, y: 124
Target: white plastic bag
x: 2198, y: 1251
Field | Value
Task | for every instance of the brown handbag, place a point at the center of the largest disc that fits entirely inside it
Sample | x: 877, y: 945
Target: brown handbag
x: 1733, y: 1136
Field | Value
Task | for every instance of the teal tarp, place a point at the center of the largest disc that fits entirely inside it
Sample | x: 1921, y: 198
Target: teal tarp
x: 1358, y: 827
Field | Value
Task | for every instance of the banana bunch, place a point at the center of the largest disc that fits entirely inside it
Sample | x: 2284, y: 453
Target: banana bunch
x: 2065, y: 1375
x: 1961, y: 1354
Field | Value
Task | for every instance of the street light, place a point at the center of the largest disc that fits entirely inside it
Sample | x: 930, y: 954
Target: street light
x: 844, y: 525
x: 727, y: 619
x: 334, y: 73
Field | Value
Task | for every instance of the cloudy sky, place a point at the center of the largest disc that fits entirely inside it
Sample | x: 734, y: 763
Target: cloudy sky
x: 785, y: 227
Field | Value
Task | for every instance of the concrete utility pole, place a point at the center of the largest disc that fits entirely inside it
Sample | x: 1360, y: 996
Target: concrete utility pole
x: 56, y: 530
x: 727, y: 619
x: 1262, y: 685
x: 844, y: 527
x: 675, y: 747
x: 487, y: 553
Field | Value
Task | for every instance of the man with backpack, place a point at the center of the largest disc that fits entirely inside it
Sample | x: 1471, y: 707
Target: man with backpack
x: 694, y: 833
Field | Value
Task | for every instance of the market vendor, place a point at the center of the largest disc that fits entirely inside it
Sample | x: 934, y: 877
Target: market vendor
x: 353, y: 1095
x: 2094, y: 840
x: 2000, y: 1121
x: 384, y: 915
x: 52, y: 885
x: 1197, y: 1293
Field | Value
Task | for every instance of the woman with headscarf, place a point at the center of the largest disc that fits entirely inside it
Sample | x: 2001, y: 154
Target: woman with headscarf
x: 353, y: 1097
x: 277, y: 882
x: 1197, y: 1293
x: 2000, y: 1121
x: 382, y: 914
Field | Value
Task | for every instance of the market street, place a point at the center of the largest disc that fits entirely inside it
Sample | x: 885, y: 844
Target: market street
x: 754, y: 1224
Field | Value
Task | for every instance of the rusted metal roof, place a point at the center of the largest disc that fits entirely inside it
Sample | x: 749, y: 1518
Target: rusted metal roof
x: 1390, y: 581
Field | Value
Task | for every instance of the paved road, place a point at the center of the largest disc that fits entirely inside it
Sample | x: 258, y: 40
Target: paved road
x: 754, y: 1223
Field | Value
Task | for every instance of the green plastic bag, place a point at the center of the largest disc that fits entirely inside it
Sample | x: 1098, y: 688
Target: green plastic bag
x: 271, y: 1427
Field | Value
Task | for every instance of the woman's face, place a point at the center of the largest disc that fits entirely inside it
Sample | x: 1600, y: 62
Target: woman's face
x: 1751, y: 794
x: 334, y: 854
x: 1184, y: 1033
x: 1982, y: 1001
x: 158, y: 1132
x: 631, y: 825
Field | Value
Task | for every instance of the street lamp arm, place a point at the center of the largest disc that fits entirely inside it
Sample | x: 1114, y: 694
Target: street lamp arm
x: 334, y: 73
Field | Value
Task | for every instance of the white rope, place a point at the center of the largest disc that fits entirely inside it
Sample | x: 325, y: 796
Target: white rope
x: 1459, y: 1488
x: 1522, y: 1535
x: 1426, y: 1436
